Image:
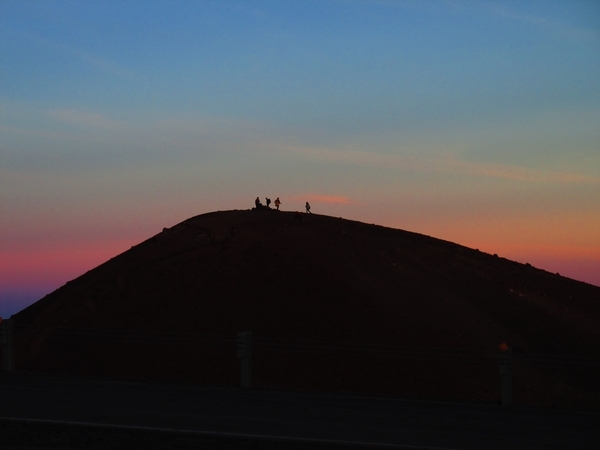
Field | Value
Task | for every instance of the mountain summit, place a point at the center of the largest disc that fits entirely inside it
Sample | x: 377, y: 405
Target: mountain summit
x: 293, y: 276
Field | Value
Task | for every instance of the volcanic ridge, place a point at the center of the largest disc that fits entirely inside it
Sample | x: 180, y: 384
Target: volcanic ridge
x: 307, y: 278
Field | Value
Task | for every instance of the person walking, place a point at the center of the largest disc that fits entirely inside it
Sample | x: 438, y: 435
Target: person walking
x: 277, y: 203
x: 308, y: 208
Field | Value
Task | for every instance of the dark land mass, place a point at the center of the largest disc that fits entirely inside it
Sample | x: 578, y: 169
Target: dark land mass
x: 298, y: 276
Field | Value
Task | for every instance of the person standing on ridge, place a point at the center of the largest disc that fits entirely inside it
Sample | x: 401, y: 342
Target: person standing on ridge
x: 277, y: 203
x: 257, y: 203
x: 268, y: 201
x: 308, y: 208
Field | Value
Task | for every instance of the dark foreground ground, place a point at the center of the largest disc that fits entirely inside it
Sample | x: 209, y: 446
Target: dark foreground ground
x: 41, y: 412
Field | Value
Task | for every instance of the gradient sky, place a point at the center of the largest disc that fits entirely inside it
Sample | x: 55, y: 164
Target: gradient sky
x: 476, y: 122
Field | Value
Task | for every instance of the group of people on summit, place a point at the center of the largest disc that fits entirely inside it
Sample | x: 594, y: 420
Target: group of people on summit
x: 259, y: 205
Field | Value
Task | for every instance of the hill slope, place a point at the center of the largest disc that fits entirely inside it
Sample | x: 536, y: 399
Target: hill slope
x: 291, y: 275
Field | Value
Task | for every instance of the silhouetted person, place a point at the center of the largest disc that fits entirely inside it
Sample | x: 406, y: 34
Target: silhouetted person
x: 308, y: 208
x: 268, y: 201
x: 277, y: 203
x: 257, y: 203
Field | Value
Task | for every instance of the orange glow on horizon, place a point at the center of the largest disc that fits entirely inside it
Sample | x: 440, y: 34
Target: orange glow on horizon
x: 48, y: 268
x: 55, y: 266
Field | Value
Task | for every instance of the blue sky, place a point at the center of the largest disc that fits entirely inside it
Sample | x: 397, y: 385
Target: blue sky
x: 472, y: 121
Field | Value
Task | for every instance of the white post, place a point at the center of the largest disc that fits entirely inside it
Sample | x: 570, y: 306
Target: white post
x: 244, y: 352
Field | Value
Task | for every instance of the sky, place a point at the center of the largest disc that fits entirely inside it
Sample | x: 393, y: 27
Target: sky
x: 476, y: 122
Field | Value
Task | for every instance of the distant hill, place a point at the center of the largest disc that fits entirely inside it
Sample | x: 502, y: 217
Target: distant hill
x: 297, y: 276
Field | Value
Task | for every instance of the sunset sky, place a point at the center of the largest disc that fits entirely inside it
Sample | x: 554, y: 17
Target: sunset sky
x: 476, y: 122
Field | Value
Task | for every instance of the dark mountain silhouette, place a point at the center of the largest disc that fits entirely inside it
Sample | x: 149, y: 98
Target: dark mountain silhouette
x: 298, y: 276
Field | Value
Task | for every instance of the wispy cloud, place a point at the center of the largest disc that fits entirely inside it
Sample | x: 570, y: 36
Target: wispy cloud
x: 568, y: 31
x: 518, y: 173
x: 446, y: 163
x: 498, y: 9
x: 415, y: 5
x: 102, y: 64
x: 78, y: 117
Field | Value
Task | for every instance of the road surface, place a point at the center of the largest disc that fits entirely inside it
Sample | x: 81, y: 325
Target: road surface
x: 37, y: 411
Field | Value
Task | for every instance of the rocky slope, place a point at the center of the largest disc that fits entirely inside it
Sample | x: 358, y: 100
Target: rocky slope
x: 296, y: 276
